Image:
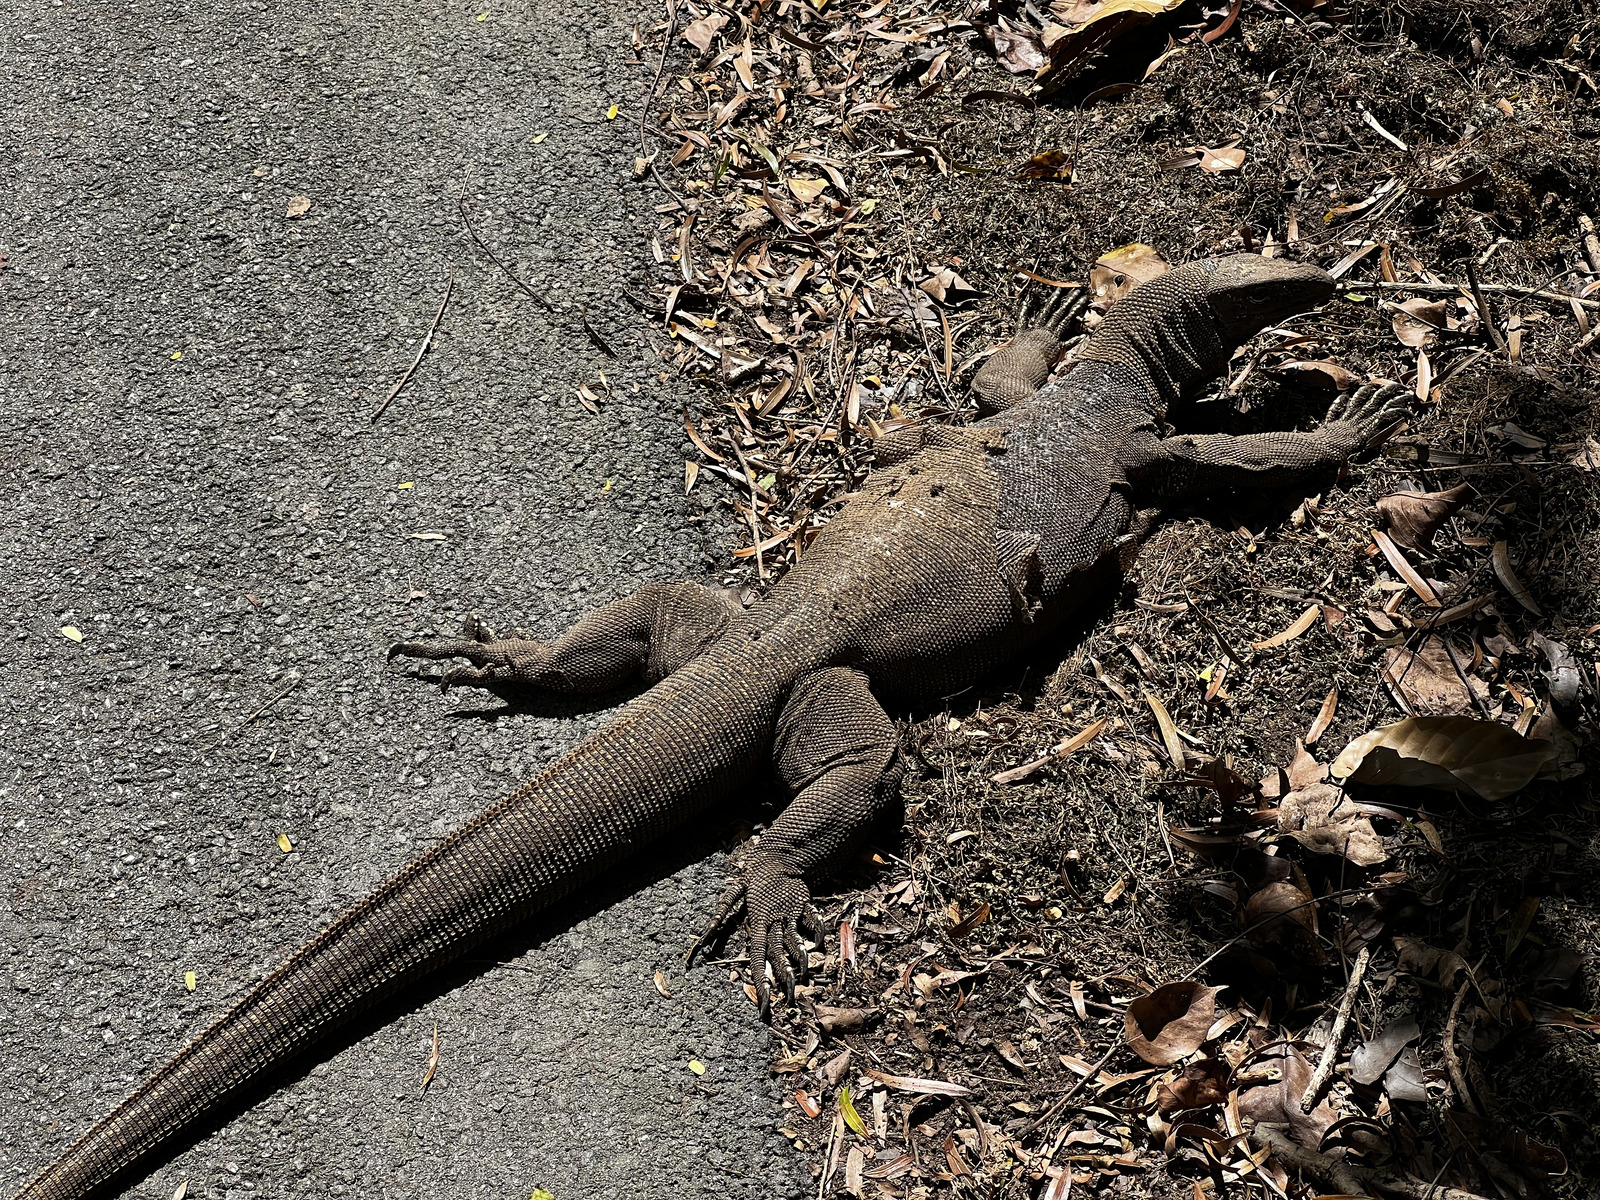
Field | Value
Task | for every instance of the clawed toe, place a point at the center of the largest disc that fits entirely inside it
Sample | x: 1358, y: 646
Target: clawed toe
x: 777, y: 908
x: 1056, y: 312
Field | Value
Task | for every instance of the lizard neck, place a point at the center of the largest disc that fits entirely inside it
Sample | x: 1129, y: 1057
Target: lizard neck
x: 1163, y: 334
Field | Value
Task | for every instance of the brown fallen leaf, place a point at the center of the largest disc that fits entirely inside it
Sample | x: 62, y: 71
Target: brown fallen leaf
x: 1281, y: 917
x: 806, y: 190
x: 1449, y: 753
x: 922, y: 1087
x: 967, y: 924
x: 1052, y: 164
x: 699, y: 33
x: 834, y: 1069
x: 1278, y: 1103
x: 1324, y: 821
x: 1303, y: 771
x: 1324, y: 718
x: 1171, y: 1022
x: 1416, y: 322
x: 1301, y: 623
x: 1019, y: 51
x: 1220, y: 160
x: 1199, y: 1085
x: 807, y: 1103
x: 1429, y: 681
x: 1501, y: 558
x: 1368, y: 1062
x: 1404, y: 569
x: 1414, y: 517
x: 661, y: 986
x: 1326, y: 369
x: 433, y: 1060
x: 1119, y: 271
x: 835, y: 1021
x: 298, y: 207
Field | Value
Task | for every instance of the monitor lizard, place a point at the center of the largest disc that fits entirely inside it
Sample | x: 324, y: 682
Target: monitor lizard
x: 963, y: 548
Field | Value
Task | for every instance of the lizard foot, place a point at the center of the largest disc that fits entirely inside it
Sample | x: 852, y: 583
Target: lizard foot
x: 1056, y: 312
x: 777, y: 909
x: 494, y: 660
x: 1369, y: 411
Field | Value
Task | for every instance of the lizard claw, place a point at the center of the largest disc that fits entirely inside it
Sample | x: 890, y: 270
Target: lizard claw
x: 1057, y: 312
x: 1372, y: 408
x: 777, y: 909
x: 494, y: 660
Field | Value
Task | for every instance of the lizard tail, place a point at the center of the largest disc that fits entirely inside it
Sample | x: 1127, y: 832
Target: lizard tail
x: 663, y: 758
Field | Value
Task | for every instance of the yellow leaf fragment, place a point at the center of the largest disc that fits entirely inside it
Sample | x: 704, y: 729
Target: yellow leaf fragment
x: 611, y: 113
x: 1301, y: 623
x: 847, y: 1110
x: 405, y: 485
x: 483, y: 16
x: 189, y: 980
x: 71, y: 633
x: 698, y: 1067
x: 284, y: 843
x: 541, y: 1194
x: 176, y: 355
x: 539, y: 137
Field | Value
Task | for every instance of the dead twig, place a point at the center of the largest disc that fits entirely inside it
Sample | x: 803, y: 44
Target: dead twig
x: 1330, y: 1052
x: 1350, y: 1180
x: 293, y: 683
x: 461, y: 207
x: 1452, y: 1061
x: 427, y: 340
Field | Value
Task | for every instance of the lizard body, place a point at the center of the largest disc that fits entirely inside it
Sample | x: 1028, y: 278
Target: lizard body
x: 962, y: 549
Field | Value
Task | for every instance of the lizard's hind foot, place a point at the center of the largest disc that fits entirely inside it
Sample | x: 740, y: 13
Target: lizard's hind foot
x: 777, y: 910
x: 494, y: 660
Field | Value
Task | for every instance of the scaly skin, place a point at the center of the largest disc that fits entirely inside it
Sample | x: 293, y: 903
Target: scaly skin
x: 957, y: 554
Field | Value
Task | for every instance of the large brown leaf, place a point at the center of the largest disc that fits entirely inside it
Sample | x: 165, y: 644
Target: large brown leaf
x: 1449, y: 753
x: 1414, y: 517
x: 1171, y: 1022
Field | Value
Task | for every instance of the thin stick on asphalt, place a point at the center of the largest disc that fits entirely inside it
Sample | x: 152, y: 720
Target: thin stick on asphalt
x: 1330, y: 1052
x: 427, y: 340
x: 461, y: 207
x: 650, y: 98
x: 293, y: 683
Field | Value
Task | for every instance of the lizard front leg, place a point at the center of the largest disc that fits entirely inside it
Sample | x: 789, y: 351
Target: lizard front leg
x: 649, y: 634
x: 1190, y: 466
x: 836, y: 751
x: 1019, y: 368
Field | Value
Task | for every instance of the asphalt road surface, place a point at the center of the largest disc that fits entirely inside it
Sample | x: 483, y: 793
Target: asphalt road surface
x: 190, y: 482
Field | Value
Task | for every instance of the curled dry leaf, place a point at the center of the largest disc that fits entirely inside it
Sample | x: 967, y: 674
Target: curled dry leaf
x: 1199, y: 1085
x: 1282, y: 918
x: 1052, y: 164
x: 1417, y: 321
x: 1018, y: 50
x: 1323, y: 820
x: 1171, y: 1022
x: 1449, y: 753
x: 1119, y: 271
x: 1414, y: 517
x: 1322, y: 370
x: 1501, y: 558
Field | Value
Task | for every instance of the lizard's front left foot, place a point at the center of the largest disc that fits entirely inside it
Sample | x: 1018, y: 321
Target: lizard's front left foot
x: 777, y: 909
x: 1368, y: 412
x: 494, y: 660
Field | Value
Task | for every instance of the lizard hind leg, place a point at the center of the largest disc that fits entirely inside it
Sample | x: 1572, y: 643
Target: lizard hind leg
x: 836, y: 751
x: 648, y: 635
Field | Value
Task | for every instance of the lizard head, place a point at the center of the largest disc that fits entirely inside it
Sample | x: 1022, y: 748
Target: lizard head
x: 1249, y: 293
